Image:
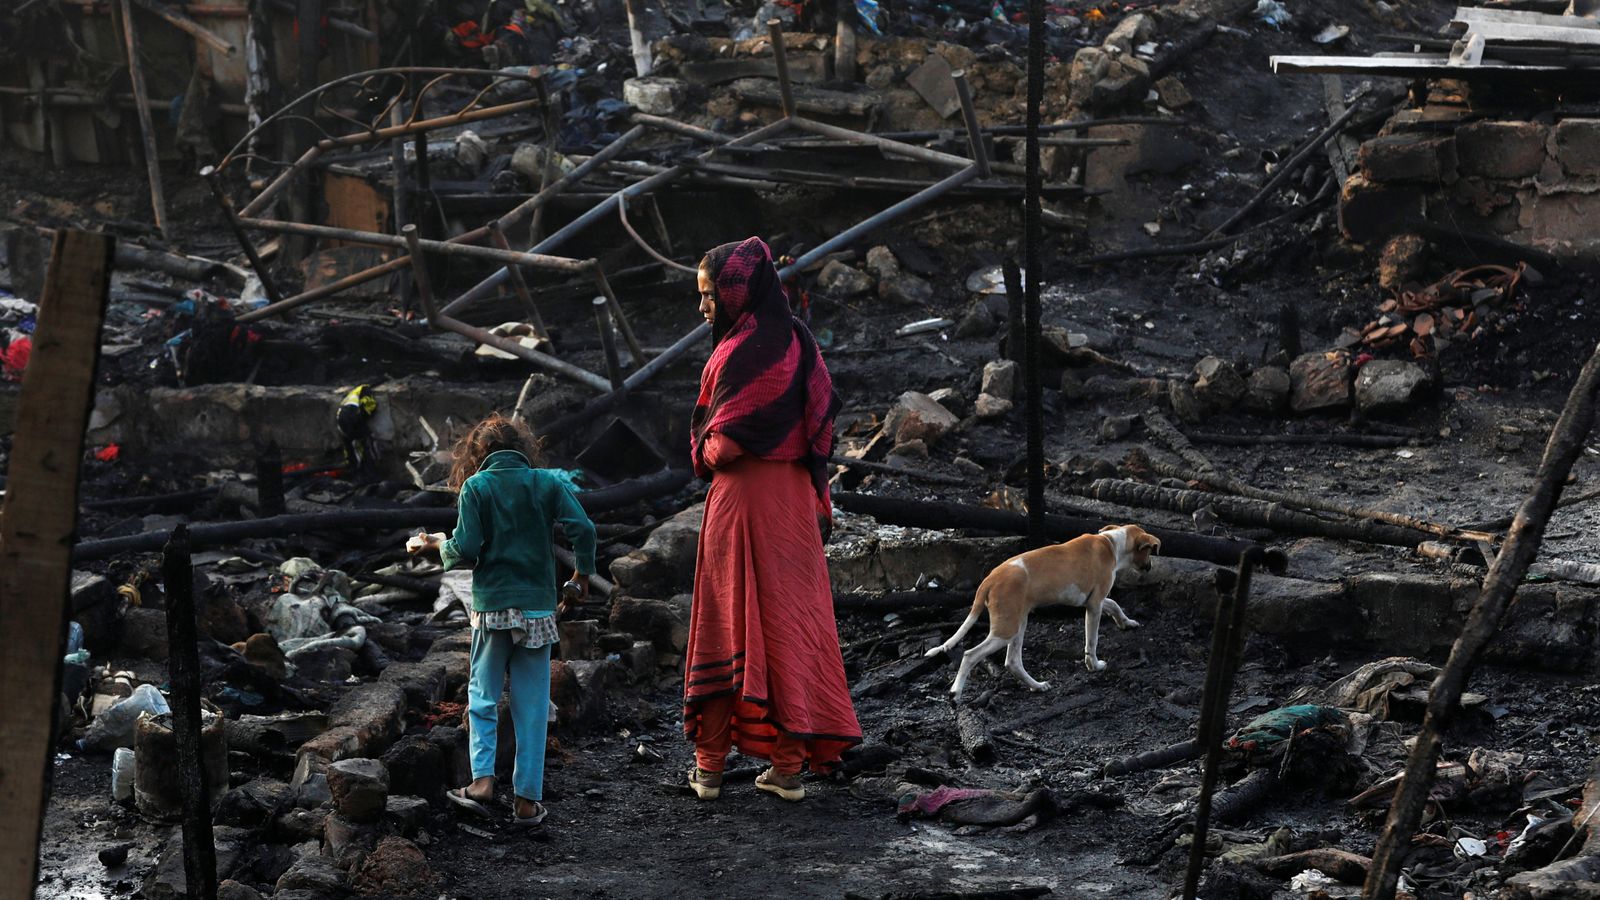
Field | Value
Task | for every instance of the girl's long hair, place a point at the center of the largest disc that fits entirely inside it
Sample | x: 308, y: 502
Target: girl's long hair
x: 494, y: 433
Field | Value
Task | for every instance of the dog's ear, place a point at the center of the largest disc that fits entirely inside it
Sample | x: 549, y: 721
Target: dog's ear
x: 1154, y: 543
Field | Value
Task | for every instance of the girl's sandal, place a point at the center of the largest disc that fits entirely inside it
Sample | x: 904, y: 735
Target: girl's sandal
x: 529, y: 821
x: 706, y: 785
x: 459, y: 798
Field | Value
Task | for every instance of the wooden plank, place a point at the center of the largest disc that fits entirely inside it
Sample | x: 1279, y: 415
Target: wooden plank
x: 141, y: 99
x: 1504, y: 33
x: 1400, y: 67
x: 36, y: 526
x: 1472, y: 15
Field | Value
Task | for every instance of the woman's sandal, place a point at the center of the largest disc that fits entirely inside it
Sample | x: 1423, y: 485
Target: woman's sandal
x: 789, y: 787
x: 529, y: 821
x: 459, y: 798
x: 706, y: 785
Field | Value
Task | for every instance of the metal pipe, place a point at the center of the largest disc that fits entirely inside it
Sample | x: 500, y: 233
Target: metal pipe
x: 443, y: 248
x: 276, y: 185
x: 188, y: 25
x: 334, y: 22
x: 334, y: 287
x: 608, y: 340
x: 850, y: 234
x: 542, y: 360
x: 518, y: 284
x: 673, y: 125
x: 781, y: 58
x: 425, y: 125
x: 634, y: 347
x: 889, y: 147
x: 213, y: 180
x: 969, y: 111
x: 419, y: 274
x: 604, y: 208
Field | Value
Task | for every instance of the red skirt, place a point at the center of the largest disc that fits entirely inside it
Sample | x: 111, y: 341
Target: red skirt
x: 761, y: 626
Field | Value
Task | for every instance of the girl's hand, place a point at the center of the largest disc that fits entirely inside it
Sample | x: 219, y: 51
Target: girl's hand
x: 581, y: 581
x: 423, y: 541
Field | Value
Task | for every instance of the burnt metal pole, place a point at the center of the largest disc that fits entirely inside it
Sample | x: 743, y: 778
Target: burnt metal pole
x: 1226, y: 637
x: 608, y: 340
x: 1015, y: 335
x: 1032, y: 237
x: 183, y: 668
x: 214, y: 181
x: 969, y: 112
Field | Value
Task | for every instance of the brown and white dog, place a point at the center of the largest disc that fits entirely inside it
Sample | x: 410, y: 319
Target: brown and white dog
x: 1079, y: 572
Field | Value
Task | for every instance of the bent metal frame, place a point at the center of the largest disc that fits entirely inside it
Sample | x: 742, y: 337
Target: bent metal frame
x: 612, y: 386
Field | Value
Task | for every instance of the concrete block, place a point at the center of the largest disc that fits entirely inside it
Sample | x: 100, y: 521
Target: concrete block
x: 1576, y: 146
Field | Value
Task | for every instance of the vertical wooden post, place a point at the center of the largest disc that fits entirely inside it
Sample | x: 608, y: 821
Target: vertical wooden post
x: 419, y: 274
x: 781, y: 59
x: 183, y: 671
x: 844, y: 42
x: 269, y: 481
x: 36, y: 528
x: 641, y: 47
x: 141, y: 103
x: 632, y: 340
x: 1033, y: 265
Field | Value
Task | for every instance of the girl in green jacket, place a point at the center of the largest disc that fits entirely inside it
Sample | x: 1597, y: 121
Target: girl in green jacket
x: 508, y: 513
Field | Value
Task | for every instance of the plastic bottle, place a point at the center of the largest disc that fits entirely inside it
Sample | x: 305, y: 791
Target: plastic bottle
x: 122, y: 770
x: 74, y: 638
x: 114, y: 727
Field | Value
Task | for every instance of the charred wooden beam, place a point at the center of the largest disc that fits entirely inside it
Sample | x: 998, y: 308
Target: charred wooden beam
x: 922, y: 514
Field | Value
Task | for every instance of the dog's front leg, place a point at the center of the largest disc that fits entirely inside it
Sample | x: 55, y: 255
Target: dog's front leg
x: 1091, y: 634
x: 1123, y: 620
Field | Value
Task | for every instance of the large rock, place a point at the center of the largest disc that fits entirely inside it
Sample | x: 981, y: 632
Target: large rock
x: 1217, y: 383
x: 253, y: 804
x: 144, y: 633
x: 664, y: 623
x: 654, y: 96
x: 397, y: 868
x: 1267, y: 390
x: 666, y: 561
x: 1402, y: 262
x: 233, y: 890
x: 989, y: 407
x: 363, y: 722
x: 1319, y: 381
x: 916, y: 416
x: 1549, y: 627
x: 359, y: 788
x: 1501, y: 149
x: 1186, y: 404
x: 167, y: 880
x: 895, y: 284
x: 579, y: 689
x: 329, y: 665
x: 1409, y: 157
x: 406, y: 814
x: 950, y: 399
x: 347, y: 842
x: 417, y: 766
x: 841, y: 280
x: 1000, y: 379
x: 314, y: 874
x: 1386, y: 385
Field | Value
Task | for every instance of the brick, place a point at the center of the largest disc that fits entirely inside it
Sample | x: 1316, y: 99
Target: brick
x: 1501, y: 149
x: 1319, y: 381
x: 1408, y: 157
x: 1576, y: 145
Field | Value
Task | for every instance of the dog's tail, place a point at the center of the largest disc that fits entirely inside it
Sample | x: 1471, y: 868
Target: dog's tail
x: 978, y: 603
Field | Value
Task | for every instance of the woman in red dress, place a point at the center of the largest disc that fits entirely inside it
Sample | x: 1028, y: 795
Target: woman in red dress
x: 763, y: 671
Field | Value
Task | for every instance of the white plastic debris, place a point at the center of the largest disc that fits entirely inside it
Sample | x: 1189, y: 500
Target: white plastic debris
x: 1470, y: 848
x: 122, y: 775
x: 1310, y: 880
x: 114, y: 727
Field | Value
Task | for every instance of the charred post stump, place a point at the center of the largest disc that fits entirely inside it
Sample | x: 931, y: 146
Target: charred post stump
x: 183, y: 667
x: 973, y: 729
x: 1227, y: 637
x: 1152, y: 759
x: 269, y: 481
x: 1033, y: 264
